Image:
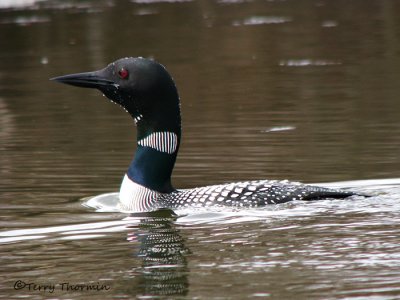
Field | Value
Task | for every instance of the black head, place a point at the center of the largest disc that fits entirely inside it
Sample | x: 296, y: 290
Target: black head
x: 141, y: 86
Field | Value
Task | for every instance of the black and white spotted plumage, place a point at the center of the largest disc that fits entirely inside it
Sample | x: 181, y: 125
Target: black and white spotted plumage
x: 250, y: 193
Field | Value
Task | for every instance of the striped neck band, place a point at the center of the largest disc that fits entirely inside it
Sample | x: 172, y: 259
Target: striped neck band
x: 166, y: 142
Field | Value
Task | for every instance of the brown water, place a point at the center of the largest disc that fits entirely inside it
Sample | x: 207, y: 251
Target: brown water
x: 299, y: 90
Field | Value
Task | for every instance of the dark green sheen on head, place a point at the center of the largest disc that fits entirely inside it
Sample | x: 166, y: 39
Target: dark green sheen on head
x: 143, y: 87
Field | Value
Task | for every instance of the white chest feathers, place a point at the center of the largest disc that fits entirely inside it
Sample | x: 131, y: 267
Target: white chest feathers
x: 134, y: 197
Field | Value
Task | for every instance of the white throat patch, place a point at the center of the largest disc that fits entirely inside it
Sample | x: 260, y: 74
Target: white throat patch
x: 166, y: 142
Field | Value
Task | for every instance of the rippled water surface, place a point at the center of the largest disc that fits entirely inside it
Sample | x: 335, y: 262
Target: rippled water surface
x: 298, y: 90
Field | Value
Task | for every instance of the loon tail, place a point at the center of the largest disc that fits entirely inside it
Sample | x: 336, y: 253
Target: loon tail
x: 318, y: 193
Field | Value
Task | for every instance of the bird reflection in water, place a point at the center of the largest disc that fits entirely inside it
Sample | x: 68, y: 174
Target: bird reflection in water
x: 163, y: 253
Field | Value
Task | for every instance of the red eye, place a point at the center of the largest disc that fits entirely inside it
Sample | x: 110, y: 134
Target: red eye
x: 123, y: 73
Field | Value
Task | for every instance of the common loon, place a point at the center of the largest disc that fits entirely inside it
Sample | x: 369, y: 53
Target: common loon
x: 146, y: 90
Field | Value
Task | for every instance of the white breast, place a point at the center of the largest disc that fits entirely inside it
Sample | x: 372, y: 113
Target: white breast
x: 134, y: 197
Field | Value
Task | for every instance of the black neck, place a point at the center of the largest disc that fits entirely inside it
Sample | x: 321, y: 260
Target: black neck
x: 150, y: 167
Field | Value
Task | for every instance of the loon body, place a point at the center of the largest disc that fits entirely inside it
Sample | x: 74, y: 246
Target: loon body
x: 148, y: 93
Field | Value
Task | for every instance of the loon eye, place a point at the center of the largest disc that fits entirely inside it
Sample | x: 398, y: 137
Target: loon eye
x: 123, y: 73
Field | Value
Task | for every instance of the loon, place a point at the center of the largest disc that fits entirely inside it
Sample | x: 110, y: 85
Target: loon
x: 145, y: 89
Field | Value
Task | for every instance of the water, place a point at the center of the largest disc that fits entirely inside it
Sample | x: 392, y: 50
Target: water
x: 299, y: 90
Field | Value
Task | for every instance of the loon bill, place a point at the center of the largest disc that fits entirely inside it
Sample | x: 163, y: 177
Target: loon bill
x: 148, y: 93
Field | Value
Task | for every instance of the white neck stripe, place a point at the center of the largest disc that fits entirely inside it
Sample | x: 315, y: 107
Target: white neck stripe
x: 166, y: 142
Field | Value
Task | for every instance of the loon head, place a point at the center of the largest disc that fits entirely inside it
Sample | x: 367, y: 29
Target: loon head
x: 142, y: 87
x: 148, y: 93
